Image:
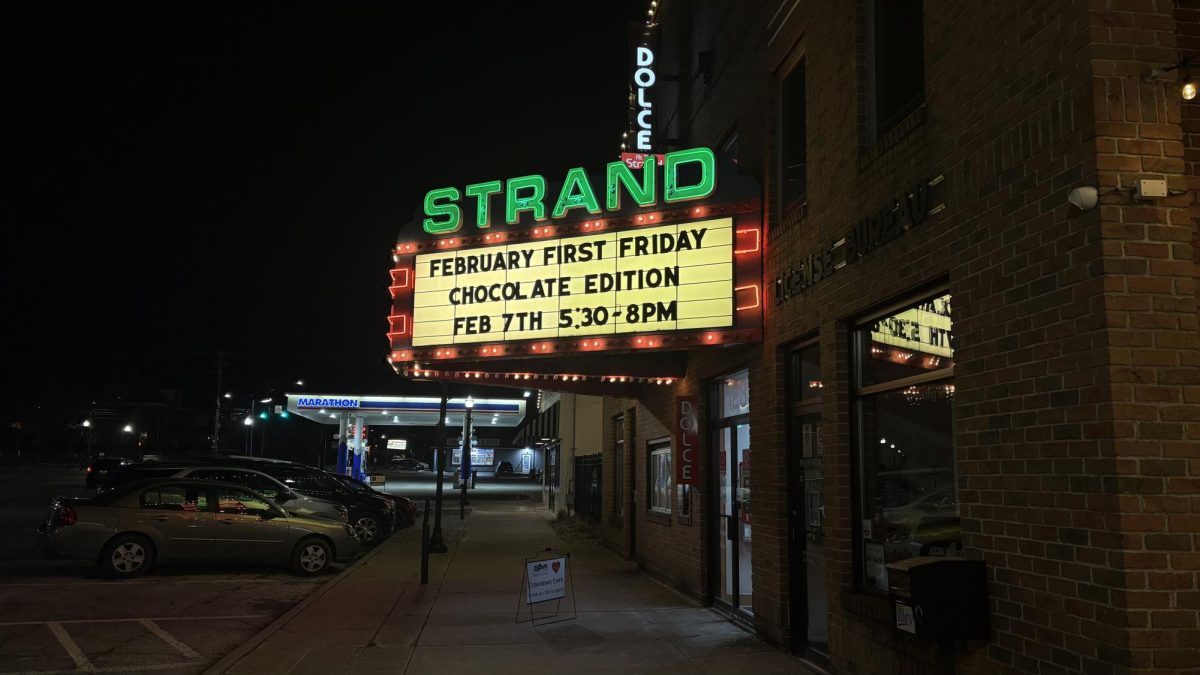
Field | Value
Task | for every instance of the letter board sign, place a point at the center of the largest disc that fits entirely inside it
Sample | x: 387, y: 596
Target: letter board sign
x: 545, y: 580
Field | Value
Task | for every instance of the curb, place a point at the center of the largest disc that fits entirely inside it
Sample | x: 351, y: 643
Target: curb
x: 229, y: 660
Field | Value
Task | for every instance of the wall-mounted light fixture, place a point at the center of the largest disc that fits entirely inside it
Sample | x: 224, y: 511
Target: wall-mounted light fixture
x: 1188, y: 85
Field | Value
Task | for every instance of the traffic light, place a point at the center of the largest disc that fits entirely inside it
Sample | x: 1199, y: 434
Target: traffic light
x: 263, y: 415
x: 285, y: 414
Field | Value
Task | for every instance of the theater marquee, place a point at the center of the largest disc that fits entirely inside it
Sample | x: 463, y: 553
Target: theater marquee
x: 658, y: 270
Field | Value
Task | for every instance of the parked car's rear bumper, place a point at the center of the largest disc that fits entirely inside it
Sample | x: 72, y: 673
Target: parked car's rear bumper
x: 64, y: 543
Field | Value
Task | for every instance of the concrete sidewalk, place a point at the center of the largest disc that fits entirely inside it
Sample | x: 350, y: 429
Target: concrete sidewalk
x: 377, y: 618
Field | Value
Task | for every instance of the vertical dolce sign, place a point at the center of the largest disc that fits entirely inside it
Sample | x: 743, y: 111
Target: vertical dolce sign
x: 644, y: 79
x: 687, y: 438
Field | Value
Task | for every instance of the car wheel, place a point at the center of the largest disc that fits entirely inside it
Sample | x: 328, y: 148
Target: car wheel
x: 312, y: 556
x: 127, y: 556
x: 368, y: 528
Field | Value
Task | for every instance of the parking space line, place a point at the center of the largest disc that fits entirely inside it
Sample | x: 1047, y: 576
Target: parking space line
x: 136, y: 618
x: 81, y: 662
x: 183, y: 649
x: 111, y: 669
x: 143, y: 583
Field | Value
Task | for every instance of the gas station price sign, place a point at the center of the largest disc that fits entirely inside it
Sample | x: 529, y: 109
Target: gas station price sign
x: 665, y: 278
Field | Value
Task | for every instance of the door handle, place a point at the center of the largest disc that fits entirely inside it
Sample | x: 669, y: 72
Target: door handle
x: 159, y: 518
x: 225, y: 521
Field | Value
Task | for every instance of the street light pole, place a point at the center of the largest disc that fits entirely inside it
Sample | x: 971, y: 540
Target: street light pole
x: 217, y: 415
x: 465, y: 465
x: 436, y: 543
x: 249, y: 422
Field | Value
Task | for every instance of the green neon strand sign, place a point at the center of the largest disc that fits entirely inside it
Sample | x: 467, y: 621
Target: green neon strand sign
x: 444, y: 213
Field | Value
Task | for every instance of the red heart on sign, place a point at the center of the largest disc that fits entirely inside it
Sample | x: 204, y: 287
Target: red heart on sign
x: 554, y: 565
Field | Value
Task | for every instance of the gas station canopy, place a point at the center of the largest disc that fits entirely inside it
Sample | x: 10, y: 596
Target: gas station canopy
x: 412, y: 411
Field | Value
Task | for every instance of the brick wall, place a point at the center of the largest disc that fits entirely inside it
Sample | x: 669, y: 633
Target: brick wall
x: 1076, y: 425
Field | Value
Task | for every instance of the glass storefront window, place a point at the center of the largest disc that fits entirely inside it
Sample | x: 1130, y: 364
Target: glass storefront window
x: 913, y: 341
x: 905, y: 417
x: 806, y: 375
x: 733, y: 397
x: 661, y: 478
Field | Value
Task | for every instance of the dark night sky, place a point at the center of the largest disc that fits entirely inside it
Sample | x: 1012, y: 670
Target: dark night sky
x: 191, y: 177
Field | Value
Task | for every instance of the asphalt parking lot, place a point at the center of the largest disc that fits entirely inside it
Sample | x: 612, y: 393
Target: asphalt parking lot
x: 61, y: 616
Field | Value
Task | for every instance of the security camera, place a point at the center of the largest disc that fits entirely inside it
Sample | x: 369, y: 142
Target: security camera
x: 1083, y: 198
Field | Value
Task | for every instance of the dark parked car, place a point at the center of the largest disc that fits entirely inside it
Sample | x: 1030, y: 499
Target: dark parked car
x: 504, y: 469
x: 99, y: 469
x: 295, y: 503
x: 135, y: 471
x: 408, y: 464
x: 128, y: 529
x: 406, y: 509
x: 372, y: 516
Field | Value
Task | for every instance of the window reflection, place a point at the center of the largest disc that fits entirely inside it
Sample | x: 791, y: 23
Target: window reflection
x: 910, y: 498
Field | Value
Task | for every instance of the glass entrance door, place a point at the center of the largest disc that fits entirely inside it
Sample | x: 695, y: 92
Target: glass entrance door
x: 734, y: 585
x: 733, y: 462
x: 812, y: 517
x: 806, y: 477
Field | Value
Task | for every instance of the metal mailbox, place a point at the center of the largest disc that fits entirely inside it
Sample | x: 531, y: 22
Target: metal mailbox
x: 940, y: 599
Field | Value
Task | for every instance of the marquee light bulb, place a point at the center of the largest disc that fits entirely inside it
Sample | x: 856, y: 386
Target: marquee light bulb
x: 1188, y: 91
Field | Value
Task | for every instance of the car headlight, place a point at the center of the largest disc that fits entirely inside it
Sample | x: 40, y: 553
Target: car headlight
x: 349, y: 531
x: 344, y: 513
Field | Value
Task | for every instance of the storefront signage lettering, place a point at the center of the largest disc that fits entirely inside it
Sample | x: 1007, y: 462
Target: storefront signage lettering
x: 314, y: 402
x: 545, y: 580
x: 516, y: 196
x: 643, y: 81
x: 687, y: 439
x: 666, y: 278
x: 892, y: 220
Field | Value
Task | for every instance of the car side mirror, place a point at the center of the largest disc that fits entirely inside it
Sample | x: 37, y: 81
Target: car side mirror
x: 285, y: 496
x: 271, y: 514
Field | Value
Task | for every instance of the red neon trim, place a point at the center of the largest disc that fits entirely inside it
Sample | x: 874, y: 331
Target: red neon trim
x: 403, y: 330
x: 757, y: 241
x: 402, y: 277
x: 757, y: 299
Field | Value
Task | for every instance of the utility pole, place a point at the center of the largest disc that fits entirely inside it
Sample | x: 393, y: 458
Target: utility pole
x: 217, y: 416
x: 436, y: 543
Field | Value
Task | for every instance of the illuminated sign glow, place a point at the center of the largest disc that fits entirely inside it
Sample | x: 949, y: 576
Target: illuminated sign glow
x: 511, y: 279
x: 924, y: 329
x: 643, y: 79
x: 528, y: 194
x: 665, y: 278
x: 313, y: 402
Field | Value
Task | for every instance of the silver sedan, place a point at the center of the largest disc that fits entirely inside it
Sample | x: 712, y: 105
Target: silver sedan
x: 128, y: 530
